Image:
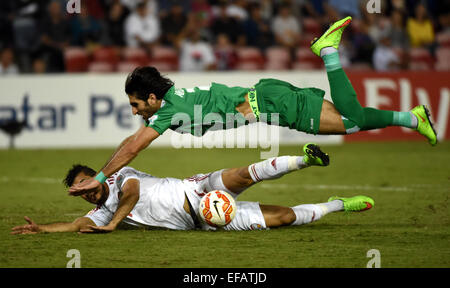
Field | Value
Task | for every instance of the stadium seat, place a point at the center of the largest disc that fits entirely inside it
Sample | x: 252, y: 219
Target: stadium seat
x: 305, y: 40
x: 127, y: 66
x: 249, y: 58
x: 304, y: 66
x: 107, y: 55
x: 443, y: 59
x: 135, y: 54
x: 163, y: 66
x: 76, y: 59
x: 164, y: 57
x: 305, y: 56
x: 311, y: 26
x: 420, y: 59
x: 101, y: 67
x: 443, y: 39
x: 277, y: 58
x: 360, y: 66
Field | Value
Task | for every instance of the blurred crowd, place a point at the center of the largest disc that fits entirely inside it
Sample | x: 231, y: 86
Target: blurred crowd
x: 41, y: 36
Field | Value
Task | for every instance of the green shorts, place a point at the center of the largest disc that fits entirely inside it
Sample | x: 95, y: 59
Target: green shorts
x: 297, y: 108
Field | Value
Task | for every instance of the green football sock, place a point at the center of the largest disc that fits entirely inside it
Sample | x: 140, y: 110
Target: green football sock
x: 331, y: 61
x: 355, y: 117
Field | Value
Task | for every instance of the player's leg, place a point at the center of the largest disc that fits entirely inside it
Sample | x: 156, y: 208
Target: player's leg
x: 354, y: 116
x: 237, y: 180
x: 275, y: 216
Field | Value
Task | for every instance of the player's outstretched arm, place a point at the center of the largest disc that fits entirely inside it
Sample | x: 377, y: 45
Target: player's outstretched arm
x: 127, y: 202
x: 33, y: 228
x: 139, y: 141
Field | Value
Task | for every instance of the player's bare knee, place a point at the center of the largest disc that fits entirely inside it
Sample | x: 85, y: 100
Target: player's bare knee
x: 287, y: 216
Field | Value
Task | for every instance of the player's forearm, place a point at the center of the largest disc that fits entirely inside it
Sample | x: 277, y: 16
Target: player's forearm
x: 124, y: 156
x: 58, y: 227
x: 126, y: 204
x: 124, y: 142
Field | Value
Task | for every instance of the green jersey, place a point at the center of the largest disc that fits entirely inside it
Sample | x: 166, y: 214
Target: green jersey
x: 199, y: 109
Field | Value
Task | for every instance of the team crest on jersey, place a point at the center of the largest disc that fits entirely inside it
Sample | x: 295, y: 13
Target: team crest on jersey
x: 119, y: 180
x: 152, y: 119
x: 179, y: 92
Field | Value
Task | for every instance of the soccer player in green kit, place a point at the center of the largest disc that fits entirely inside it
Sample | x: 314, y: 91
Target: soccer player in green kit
x: 163, y: 106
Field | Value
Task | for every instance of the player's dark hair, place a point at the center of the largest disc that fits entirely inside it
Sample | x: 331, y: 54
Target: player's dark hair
x: 145, y: 80
x: 74, y: 171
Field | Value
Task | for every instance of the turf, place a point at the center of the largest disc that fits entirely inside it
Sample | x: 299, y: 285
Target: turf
x: 409, y: 225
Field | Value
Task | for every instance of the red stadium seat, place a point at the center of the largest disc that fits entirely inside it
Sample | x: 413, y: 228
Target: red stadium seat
x: 443, y: 59
x: 101, y: 67
x: 312, y: 26
x: 305, y: 56
x: 305, y: 40
x: 76, y: 59
x: 127, y: 66
x: 304, y: 66
x: 278, y: 58
x: 135, y: 54
x: 249, y: 58
x: 420, y: 59
x: 107, y: 55
x: 164, y: 57
x: 163, y: 66
x: 443, y: 39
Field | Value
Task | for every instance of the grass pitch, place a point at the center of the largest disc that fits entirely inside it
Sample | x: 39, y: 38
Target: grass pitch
x: 409, y: 225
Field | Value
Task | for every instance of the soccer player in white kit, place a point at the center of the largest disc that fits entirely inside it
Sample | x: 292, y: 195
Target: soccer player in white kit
x: 137, y: 198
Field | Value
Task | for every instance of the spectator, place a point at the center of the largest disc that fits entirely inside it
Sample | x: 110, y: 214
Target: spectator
x: 238, y: 10
x: 203, y: 10
x: 150, y: 5
x: 398, y: 34
x: 257, y: 29
x: 173, y: 24
x: 227, y: 25
x: 86, y: 30
x: 39, y: 66
x: 55, y: 37
x: 7, y: 65
x: 114, y: 28
x: 286, y: 28
x: 363, y: 46
x: 141, y: 28
x: 196, y: 54
x: 24, y: 15
x: 378, y: 26
x: 346, y: 8
x: 225, y: 54
x: 420, y: 28
x: 384, y: 57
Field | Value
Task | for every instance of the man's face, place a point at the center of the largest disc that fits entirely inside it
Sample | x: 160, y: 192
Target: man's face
x: 95, y: 197
x: 146, y: 109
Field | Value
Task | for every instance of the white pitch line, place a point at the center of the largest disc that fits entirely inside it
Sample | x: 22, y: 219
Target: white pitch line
x: 344, y: 187
x: 43, y: 180
x: 413, y: 187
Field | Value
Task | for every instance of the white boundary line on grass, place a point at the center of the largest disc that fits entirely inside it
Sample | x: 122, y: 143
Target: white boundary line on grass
x: 413, y: 187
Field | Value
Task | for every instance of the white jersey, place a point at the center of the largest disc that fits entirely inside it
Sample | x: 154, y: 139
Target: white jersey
x: 160, y: 201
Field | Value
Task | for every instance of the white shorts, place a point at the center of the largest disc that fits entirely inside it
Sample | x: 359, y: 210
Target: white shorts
x: 248, y: 214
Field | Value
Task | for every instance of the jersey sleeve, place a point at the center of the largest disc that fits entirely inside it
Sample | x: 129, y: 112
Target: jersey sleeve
x: 100, y: 216
x: 161, y: 120
x: 124, y: 175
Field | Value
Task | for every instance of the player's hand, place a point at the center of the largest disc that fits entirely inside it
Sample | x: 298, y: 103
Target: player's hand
x: 30, y: 228
x: 84, y: 187
x: 98, y: 229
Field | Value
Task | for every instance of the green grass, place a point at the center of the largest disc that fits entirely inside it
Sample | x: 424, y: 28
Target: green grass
x: 409, y: 225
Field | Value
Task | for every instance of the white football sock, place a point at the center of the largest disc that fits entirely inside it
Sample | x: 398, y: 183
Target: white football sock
x: 276, y: 167
x: 307, y: 213
x: 327, y: 50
